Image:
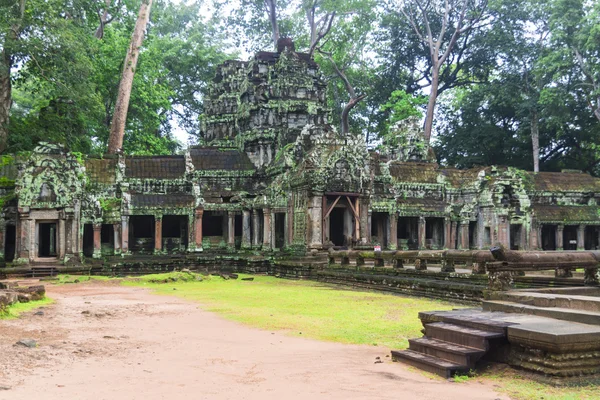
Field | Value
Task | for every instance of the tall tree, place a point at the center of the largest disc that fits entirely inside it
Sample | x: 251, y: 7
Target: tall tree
x: 117, y: 128
x: 439, y: 25
x: 12, y: 19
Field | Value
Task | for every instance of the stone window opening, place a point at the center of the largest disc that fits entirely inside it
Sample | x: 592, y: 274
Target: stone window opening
x: 570, y: 237
x: 174, y: 232
x: 516, y: 232
x: 408, y: 233
x: 107, y: 239
x: 141, y: 233
x: 88, y: 240
x: 434, y: 233
x: 472, y: 234
x: 549, y: 237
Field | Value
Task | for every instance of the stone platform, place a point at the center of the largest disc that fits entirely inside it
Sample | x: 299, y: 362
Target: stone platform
x: 554, y: 334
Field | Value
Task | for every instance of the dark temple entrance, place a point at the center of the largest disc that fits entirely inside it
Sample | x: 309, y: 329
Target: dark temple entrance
x: 141, y: 233
x: 549, y: 237
x: 47, y: 239
x: 175, y: 232
x: 279, y: 230
x: 336, y: 224
x: 10, y: 243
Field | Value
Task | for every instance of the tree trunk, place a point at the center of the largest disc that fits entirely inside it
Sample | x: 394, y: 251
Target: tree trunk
x: 272, y: 11
x: 5, y: 98
x: 117, y: 127
x: 435, y: 81
x: 346, y: 113
x: 535, y: 140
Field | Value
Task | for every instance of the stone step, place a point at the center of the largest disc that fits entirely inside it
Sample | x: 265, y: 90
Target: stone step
x: 428, y: 363
x: 537, y: 299
x: 565, y: 314
x: 461, y: 335
x: 465, y: 317
x: 454, y: 353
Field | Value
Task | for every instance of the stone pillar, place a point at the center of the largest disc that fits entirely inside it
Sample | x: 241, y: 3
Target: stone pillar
x: 255, y: 229
x: 2, y: 239
x: 125, y: 234
x: 421, y: 233
x: 231, y: 229
x: 365, y: 234
x: 447, y: 233
x: 198, y: 214
x: 158, y: 233
x: 62, y: 238
x: 463, y: 238
x: 246, y: 232
x: 559, y: 236
x: 369, y: 225
x: 315, y: 221
x: 273, y: 233
x: 581, y: 237
x: 453, y: 233
x: 393, y: 232
x: 504, y: 230
x: 117, y: 238
x: 24, y: 236
x: 97, y: 243
x: 267, y: 229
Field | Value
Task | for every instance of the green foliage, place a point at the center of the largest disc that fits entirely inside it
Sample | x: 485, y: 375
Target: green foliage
x: 334, y: 314
x: 17, y: 309
x: 402, y: 105
x: 110, y: 204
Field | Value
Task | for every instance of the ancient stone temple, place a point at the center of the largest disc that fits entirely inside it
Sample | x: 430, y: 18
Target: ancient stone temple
x: 272, y: 175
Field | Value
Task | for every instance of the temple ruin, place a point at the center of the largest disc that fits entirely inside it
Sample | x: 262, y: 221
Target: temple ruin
x: 273, y: 175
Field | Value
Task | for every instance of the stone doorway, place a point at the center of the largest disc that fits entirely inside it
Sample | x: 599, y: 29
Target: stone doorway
x: 408, y: 233
x: 337, y: 227
x: 516, y: 231
x: 47, y: 240
x: 279, y: 230
x: 341, y: 221
x: 175, y: 232
x: 10, y: 243
x: 549, y: 237
x: 434, y: 233
x: 141, y: 233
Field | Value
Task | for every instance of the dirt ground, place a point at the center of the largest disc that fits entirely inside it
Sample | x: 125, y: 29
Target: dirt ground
x: 104, y: 341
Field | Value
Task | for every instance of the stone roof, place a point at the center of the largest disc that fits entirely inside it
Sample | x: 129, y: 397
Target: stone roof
x: 211, y: 158
x: 101, y: 170
x: 459, y: 178
x: 412, y: 172
x: 155, y: 167
x: 561, y: 214
x: 162, y: 200
x: 418, y: 206
x: 564, y: 182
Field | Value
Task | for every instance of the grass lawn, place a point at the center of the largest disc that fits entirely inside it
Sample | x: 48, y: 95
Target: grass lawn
x: 335, y: 313
x: 316, y: 310
x: 17, y: 309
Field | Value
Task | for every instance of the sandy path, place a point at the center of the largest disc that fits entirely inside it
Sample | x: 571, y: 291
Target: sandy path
x: 102, y: 341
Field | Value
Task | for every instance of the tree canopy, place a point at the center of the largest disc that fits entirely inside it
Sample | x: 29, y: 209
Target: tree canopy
x: 494, y: 81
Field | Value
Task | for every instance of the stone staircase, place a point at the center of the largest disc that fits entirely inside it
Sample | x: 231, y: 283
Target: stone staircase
x: 452, y: 343
x: 580, y: 305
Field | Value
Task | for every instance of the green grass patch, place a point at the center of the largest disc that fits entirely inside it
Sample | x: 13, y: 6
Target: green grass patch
x: 519, y: 387
x: 64, y: 279
x: 306, y: 308
x: 17, y: 309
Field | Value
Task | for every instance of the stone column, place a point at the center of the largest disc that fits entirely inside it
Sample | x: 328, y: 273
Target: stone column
x: 559, y: 236
x: 369, y: 225
x: 315, y: 220
x: 273, y: 233
x: 62, y: 238
x: 421, y: 233
x: 255, y: 229
x: 447, y: 233
x: 393, y: 232
x: 23, y: 236
x: 581, y: 237
x: 504, y: 231
x: 2, y: 239
x: 453, y: 232
x: 198, y: 214
x: 125, y: 234
x: 231, y: 229
x: 463, y: 238
x: 117, y: 238
x: 246, y: 232
x: 97, y: 243
x: 365, y: 234
x: 158, y: 233
x: 267, y: 229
